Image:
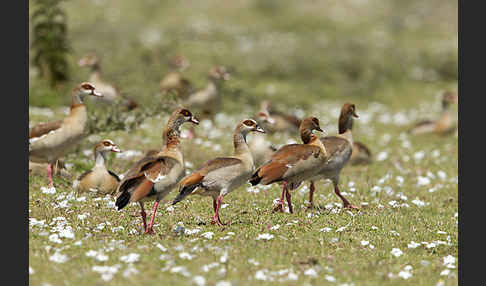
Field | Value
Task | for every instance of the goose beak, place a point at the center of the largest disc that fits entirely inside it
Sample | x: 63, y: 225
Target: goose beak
x: 95, y: 93
x: 115, y: 149
x: 355, y: 115
x: 319, y: 129
x: 194, y: 120
x: 259, y: 129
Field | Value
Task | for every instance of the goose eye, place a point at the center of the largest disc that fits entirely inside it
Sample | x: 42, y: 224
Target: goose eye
x: 249, y: 123
x: 106, y: 144
x: 316, y: 121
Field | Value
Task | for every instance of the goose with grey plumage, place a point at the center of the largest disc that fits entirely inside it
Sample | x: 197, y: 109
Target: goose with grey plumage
x: 220, y: 176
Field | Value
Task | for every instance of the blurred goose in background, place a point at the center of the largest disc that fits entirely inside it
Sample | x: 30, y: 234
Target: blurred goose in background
x: 339, y: 148
x: 208, y: 100
x: 153, y: 177
x: 220, y: 176
x: 52, y: 140
x: 444, y: 125
x: 294, y: 163
x: 277, y: 121
x: 173, y: 81
x: 99, y: 177
x: 111, y: 93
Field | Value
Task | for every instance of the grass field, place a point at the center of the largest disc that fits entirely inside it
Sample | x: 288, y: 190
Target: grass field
x: 392, y: 60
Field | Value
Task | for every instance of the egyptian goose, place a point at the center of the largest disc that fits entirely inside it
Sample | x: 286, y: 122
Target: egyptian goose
x: 277, y: 121
x: 111, y: 93
x: 294, y: 163
x: 52, y: 140
x: 260, y: 148
x: 100, y: 178
x: 208, y: 100
x: 220, y: 176
x: 339, y: 148
x: 174, y: 81
x: 154, y: 176
x: 361, y: 154
x: 444, y: 125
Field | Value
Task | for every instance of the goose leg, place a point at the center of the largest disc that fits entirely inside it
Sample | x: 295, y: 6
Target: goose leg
x: 144, y: 217
x: 216, y: 218
x: 150, y: 227
x: 311, y: 196
x: 49, y: 175
x: 288, y: 196
x: 345, y: 201
x: 280, y: 203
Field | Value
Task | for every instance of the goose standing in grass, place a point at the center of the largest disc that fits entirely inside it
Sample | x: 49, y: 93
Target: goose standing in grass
x: 208, y: 100
x: 339, y: 148
x: 444, y: 125
x: 173, y: 81
x: 99, y: 177
x: 278, y: 121
x: 111, y: 93
x: 294, y: 163
x: 52, y: 140
x: 261, y: 149
x: 220, y: 176
x: 153, y: 177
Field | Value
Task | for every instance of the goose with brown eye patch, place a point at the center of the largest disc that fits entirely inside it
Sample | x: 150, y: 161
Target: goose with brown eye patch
x: 293, y: 163
x: 444, y: 125
x: 340, y: 148
x: 99, y: 178
x: 153, y: 177
x: 218, y: 177
x: 111, y: 93
x: 52, y: 140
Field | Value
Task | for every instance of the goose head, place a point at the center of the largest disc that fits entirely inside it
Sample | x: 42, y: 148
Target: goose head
x: 219, y: 73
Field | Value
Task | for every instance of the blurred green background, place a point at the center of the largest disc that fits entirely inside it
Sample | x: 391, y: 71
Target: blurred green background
x: 295, y: 52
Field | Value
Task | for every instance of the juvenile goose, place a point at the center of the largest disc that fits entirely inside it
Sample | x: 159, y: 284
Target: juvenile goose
x: 99, y: 177
x: 340, y: 148
x: 444, y: 125
x: 277, y: 121
x: 111, y: 93
x: 154, y: 176
x: 220, y: 176
x: 294, y: 163
x: 174, y: 81
x: 208, y: 100
x: 52, y: 140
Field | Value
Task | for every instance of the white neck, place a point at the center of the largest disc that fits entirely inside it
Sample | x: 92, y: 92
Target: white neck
x: 100, y: 159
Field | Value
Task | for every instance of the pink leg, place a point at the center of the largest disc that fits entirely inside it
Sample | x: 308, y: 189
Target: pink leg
x: 287, y: 195
x: 144, y: 217
x: 49, y: 175
x: 281, y: 203
x: 216, y: 212
x: 311, y: 196
x: 345, y: 201
x: 150, y: 227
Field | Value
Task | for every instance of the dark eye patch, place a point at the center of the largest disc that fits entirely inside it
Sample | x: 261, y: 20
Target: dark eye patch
x: 87, y: 86
x: 249, y: 123
x: 185, y: 112
x: 315, y: 120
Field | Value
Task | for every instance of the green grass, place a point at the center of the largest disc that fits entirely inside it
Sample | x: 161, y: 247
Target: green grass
x: 391, y: 60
